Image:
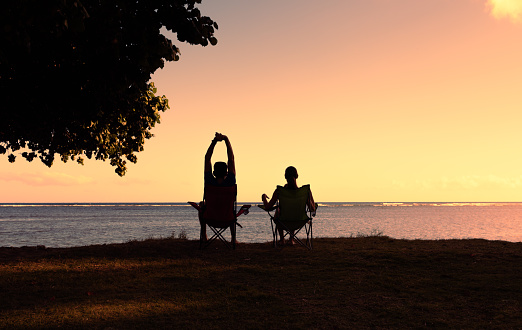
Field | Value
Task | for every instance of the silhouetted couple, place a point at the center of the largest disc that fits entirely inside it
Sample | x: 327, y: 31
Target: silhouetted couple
x: 224, y: 175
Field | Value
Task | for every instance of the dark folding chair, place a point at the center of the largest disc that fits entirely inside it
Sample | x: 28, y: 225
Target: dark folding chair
x: 219, y: 213
x: 293, y: 215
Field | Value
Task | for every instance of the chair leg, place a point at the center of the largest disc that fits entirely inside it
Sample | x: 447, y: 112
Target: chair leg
x: 233, y: 235
x: 311, y: 236
x: 202, y: 239
x: 292, y: 235
x: 274, y: 232
x: 218, y: 234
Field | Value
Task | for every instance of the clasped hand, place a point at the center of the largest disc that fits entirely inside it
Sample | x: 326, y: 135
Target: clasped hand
x: 219, y: 137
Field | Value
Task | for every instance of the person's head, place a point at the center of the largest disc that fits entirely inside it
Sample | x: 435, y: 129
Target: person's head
x: 220, y: 170
x: 291, y: 173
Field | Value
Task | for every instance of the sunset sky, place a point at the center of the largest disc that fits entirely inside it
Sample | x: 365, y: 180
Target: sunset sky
x: 371, y: 100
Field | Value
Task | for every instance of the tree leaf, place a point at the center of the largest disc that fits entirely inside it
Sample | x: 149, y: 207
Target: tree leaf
x: 100, y: 55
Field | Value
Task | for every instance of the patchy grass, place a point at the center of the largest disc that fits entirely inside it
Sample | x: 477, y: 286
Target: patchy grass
x: 359, y: 282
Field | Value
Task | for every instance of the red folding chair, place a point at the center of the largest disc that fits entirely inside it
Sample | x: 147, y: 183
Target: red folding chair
x: 219, y: 213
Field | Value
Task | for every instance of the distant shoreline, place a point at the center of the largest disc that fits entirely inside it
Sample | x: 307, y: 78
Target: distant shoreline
x: 321, y: 204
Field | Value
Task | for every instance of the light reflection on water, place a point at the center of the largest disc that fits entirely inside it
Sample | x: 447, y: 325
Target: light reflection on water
x: 64, y: 225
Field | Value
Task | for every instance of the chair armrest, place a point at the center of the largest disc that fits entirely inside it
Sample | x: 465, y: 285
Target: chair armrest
x: 312, y: 214
x: 261, y: 206
x: 195, y: 205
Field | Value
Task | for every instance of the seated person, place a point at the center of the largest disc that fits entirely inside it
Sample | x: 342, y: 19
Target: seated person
x: 224, y: 174
x: 291, y: 183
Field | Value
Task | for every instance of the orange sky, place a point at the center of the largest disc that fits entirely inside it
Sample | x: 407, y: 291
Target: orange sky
x: 371, y: 100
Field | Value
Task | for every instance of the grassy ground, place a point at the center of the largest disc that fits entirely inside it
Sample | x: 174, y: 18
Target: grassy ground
x: 364, y: 282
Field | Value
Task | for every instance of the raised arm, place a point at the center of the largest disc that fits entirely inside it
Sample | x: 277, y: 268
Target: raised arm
x: 230, y: 154
x: 208, y: 156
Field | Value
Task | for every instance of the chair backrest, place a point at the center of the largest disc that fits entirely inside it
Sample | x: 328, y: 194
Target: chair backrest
x: 220, y: 205
x: 292, y: 206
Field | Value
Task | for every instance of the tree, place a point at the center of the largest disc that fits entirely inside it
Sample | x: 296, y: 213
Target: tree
x: 75, y: 75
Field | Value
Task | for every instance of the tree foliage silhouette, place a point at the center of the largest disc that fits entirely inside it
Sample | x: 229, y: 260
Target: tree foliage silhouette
x: 75, y: 75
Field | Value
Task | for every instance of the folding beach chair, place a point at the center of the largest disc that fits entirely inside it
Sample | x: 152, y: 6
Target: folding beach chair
x: 293, y: 215
x: 219, y: 213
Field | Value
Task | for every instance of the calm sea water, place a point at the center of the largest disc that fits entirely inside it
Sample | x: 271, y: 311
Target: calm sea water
x: 67, y: 225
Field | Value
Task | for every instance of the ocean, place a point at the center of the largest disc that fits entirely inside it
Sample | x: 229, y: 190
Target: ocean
x: 68, y: 225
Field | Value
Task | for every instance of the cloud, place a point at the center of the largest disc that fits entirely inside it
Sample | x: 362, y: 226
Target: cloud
x: 46, y: 179
x: 510, y: 9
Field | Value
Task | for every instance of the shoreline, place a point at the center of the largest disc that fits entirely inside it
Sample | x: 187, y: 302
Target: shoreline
x: 188, y: 240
